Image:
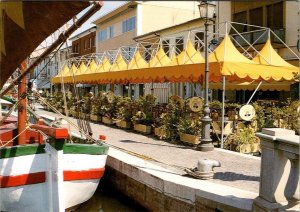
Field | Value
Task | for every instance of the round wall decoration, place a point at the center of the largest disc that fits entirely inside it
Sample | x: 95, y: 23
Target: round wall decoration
x: 196, y: 104
x: 247, y: 112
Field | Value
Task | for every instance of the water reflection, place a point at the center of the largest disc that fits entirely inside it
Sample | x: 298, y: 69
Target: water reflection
x: 107, y: 199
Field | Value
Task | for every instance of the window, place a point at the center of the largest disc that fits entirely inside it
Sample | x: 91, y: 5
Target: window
x: 85, y: 45
x: 240, y: 18
x: 111, y: 31
x: 275, y: 16
x: 199, y: 36
x: 128, y: 25
x: 256, y: 17
x: 147, y: 53
x: 102, y: 35
x: 90, y: 41
x: 93, y: 41
x: 179, y: 45
x: 166, y: 46
x: 128, y: 53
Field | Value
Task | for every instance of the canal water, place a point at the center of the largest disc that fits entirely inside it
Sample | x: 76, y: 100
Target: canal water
x: 108, y: 199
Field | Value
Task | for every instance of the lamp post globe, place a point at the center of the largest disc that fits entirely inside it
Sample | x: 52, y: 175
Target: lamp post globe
x: 206, y: 10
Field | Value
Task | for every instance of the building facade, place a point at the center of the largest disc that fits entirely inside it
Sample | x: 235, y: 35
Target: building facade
x: 119, y: 28
x: 84, y: 43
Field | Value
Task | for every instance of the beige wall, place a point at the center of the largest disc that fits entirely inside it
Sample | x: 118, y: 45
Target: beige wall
x: 150, y: 16
x: 119, y: 39
x: 159, y: 15
x: 223, y: 13
x: 292, y: 22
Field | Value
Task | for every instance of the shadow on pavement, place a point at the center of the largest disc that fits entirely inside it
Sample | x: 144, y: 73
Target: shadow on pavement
x: 231, y: 176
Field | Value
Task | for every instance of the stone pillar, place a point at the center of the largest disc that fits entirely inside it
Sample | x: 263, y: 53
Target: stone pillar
x: 279, y: 183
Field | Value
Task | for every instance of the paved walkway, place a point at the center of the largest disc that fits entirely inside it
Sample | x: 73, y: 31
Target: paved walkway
x: 237, y: 170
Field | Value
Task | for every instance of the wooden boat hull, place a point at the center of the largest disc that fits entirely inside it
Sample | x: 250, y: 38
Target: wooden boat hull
x: 40, y: 177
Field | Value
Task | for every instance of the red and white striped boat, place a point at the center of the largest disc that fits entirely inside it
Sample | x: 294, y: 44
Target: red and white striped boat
x: 49, y: 177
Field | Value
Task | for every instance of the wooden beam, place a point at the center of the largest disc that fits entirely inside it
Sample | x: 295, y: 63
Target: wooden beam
x: 57, y: 133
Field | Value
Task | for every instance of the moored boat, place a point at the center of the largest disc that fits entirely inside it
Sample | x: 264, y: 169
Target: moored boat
x: 54, y: 176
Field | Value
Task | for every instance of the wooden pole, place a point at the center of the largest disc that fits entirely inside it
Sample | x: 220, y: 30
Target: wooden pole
x: 22, y: 112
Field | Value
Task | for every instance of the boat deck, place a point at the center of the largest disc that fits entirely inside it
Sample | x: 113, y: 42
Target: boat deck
x: 237, y: 170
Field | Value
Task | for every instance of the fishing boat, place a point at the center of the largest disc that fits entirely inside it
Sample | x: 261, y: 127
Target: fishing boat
x: 39, y: 169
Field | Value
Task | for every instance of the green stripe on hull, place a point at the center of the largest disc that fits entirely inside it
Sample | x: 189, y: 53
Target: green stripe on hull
x: 30, y: 149
x: 17, y: 151
x: 88, y: 149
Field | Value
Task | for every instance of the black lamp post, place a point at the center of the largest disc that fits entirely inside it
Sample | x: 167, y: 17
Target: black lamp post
x: 206, y: 10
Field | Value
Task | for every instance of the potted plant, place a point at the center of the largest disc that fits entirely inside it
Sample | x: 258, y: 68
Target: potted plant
x: 143, y: 118
x: 216, y: 107
x: 170, y: 118
x: 243, y: 140
x: 190, y: 129
x: 86, y: 107
x: 124, y: 112
x: 95, y: 108
x: 160, y: 129
x: 108, y: 108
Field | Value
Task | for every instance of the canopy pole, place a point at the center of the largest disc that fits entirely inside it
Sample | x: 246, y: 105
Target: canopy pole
x: 254, y: 92
x: 62, y: 38
x: 223, y: 113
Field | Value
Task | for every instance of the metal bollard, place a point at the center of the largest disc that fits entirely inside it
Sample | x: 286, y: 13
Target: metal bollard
x: 205, y: 168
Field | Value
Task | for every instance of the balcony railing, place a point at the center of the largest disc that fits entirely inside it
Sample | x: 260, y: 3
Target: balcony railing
x: 258, y: 37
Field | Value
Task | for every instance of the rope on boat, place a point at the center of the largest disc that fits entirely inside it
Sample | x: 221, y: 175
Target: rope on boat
x: 66, y: 119
x: 12, y: 140
x: 12, y: 109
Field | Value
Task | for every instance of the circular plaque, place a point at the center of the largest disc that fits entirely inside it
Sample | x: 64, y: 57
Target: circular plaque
x: 247, y: 112
x: 195, y: 104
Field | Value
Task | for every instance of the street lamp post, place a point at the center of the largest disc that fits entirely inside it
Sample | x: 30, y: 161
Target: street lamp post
x: 206, y: 10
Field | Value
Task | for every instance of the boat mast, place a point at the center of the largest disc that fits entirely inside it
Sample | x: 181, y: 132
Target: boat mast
x: 22, y: 112
x: 62, y: 38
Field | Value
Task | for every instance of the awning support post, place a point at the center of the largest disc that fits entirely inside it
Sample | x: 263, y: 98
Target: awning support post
x: 223, y: 113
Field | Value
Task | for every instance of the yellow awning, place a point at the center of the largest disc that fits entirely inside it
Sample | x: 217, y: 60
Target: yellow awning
x: 160, y: 59
x: 189, y: 55
x: 137, y: 62
x: 119, y: 64
x: 226, y: 60
x: 92, y: 68
x: 82, y: 69
x: 268, y: 56
x: 278, y: 86
x: 104, y: 66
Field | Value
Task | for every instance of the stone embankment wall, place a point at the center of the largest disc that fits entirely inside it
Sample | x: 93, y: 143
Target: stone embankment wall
x: 159, y: 189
